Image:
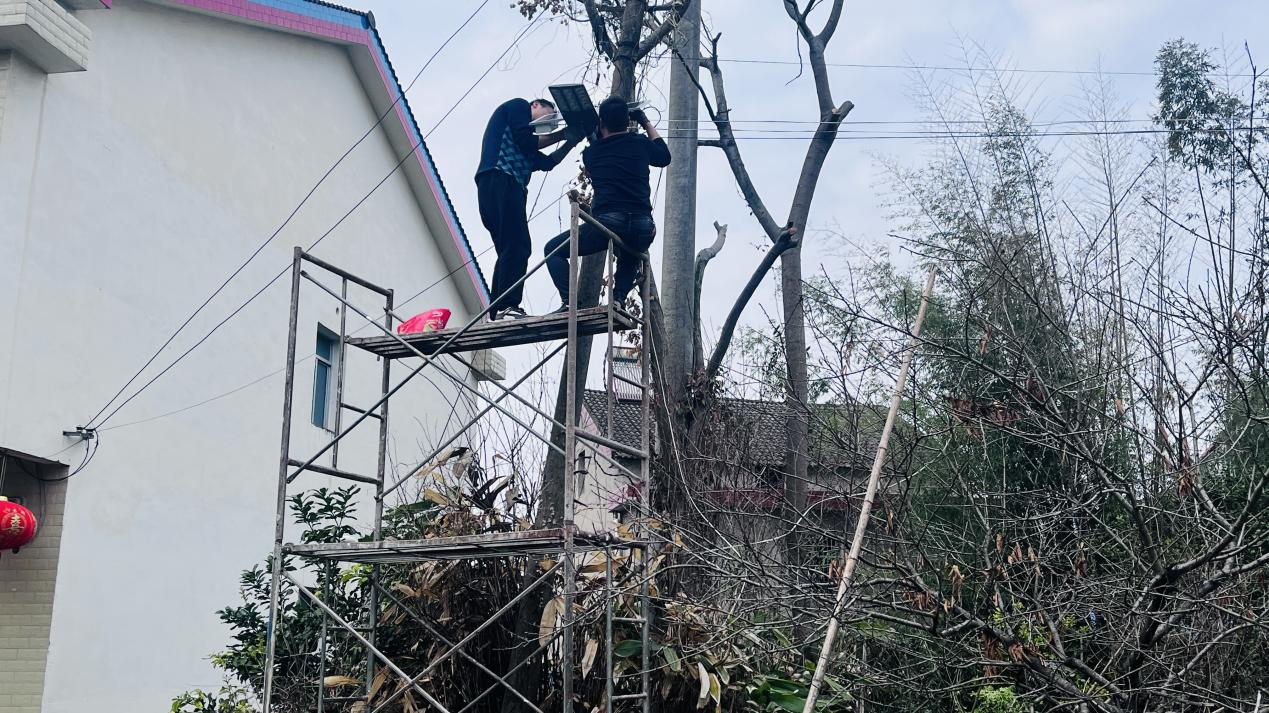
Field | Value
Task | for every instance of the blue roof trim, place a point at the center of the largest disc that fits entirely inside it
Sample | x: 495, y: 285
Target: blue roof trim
x: 320, y: 11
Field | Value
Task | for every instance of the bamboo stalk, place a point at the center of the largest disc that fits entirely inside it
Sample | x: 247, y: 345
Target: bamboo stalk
x: 865, y: 511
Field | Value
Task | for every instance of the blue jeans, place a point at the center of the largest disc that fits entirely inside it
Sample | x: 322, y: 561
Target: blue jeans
x: 635, y: 230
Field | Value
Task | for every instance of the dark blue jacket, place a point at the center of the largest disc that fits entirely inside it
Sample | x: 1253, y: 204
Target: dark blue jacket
x: 510, y: 146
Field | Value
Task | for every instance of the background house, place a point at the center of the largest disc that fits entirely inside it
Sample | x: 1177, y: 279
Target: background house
x: 747, y: 437
x: 146, y: 149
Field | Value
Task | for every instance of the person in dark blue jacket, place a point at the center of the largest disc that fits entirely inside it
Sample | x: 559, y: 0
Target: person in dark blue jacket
x: 509, y: 154
x: 618, y: 165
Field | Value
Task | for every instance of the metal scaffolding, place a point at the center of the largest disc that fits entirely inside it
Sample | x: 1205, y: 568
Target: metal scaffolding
x: 564, y: 541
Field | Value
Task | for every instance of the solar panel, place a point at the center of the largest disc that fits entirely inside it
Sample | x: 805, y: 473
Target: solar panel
x: 574, y: 104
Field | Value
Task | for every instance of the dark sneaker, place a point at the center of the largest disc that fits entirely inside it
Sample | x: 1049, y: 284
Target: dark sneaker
x: 507, y: 314
x: 562, y: 309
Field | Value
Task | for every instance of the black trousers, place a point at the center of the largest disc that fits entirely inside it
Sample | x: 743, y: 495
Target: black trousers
x: 636, y: 230
x: 502, y: 209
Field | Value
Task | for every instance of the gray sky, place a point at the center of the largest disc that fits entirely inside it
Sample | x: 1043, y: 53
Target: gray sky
x: 1113, y: 35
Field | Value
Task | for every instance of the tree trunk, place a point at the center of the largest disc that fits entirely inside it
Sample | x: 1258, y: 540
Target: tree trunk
x: 678, y: 229
x: 796, y: 426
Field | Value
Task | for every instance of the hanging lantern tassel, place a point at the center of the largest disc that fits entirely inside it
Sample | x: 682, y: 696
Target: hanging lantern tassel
x: 17, y: 525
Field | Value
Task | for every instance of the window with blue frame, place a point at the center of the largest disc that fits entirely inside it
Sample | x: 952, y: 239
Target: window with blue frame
x: 324, y: 378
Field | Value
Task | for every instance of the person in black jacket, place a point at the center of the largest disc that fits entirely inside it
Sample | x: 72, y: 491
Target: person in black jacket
x: 509, y: 154
x: 618, y: 165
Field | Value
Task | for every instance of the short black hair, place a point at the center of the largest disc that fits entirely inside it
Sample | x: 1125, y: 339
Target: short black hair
x: 614, y: 114
x: 544, y: 102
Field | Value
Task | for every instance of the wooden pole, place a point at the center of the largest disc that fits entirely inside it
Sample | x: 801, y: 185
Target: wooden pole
x: 865, y: 511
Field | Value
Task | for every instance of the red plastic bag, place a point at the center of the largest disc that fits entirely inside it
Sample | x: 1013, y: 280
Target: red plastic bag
x: 432, y: 320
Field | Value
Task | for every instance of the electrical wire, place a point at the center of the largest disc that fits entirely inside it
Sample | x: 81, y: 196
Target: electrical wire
x: 951, y: 68
x: 358, y: 330
x: 941, y: 122
x: 414, y: 148
x: 847, y: 135
x: 400, y: 97
x: 89, y: 453
x: 481, y: 78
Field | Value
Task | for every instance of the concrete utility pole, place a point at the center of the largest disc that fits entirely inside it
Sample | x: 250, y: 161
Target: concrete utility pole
x: 678, y: 244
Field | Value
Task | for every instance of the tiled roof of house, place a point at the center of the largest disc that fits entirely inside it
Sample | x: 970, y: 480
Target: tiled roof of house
x: 752, y: 431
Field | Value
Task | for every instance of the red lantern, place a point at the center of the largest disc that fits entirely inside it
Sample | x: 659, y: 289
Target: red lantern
x: 17, y: 525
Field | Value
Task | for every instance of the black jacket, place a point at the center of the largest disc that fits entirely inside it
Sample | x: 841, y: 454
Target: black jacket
x: 618, y: 169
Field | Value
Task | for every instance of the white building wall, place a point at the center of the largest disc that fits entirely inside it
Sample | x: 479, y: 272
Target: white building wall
x: 127, y: 193
x: 603, y: 485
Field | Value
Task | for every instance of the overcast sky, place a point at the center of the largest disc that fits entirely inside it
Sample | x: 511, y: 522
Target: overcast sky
x: 1117, y: 36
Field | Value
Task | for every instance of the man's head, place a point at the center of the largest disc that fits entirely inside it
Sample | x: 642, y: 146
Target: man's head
x: 614, y: 115
x: 539, y: 108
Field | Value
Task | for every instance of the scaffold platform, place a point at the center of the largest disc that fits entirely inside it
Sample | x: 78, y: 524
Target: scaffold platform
x: 490, y: 544
x: 495, y: 335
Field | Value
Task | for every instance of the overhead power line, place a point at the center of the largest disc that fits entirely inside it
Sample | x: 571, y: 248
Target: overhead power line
x: 846, y: 135
x: 970, y: 70
x: 400, y: 96
x: 940, y: 122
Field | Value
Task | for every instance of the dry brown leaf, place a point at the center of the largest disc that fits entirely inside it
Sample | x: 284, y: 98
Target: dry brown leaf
x: 588, y: 658
x: 460, y: 466
x: 435, y: 496
x: 405, y: 589
x: 550, y: 620
x: 333, y: 681
x: 596, y: 563
x: 380, y: 679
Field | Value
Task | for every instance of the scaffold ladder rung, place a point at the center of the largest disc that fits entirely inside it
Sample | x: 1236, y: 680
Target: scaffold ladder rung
x: 333, y: 472
x: 632, y: 382
x: 358, y: 409
x: 615, y: 445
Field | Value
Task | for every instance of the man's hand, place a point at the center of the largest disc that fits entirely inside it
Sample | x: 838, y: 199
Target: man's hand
x: 554, y: 137
x: 648, y: 128
x: 639, y: 117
